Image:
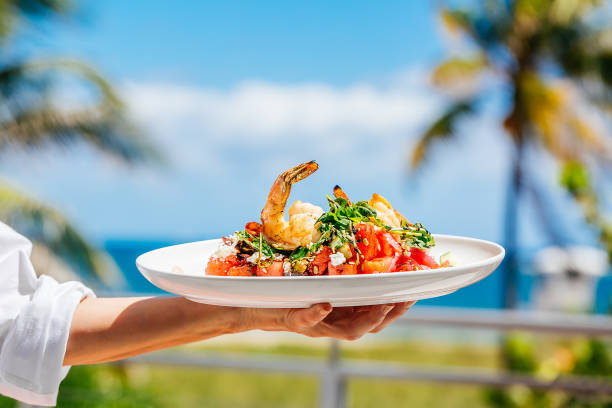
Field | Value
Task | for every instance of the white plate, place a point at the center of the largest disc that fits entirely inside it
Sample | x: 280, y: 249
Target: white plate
x: 179, y: 269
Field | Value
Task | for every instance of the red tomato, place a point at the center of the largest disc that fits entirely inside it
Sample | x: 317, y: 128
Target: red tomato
x: 366, y: 240
x: 244, y: 270
x: 318, y: 266
x: 275, y: 269
x: 253, y: 228
x: 216, y: 266
x: 388, y: 245
x: 423, y: 258
x: 379, y: 265
x: 406, y: 264
x: 220, y: 266
x: 344, y: 269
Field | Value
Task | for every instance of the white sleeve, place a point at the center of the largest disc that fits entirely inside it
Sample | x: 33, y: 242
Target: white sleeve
x: 35, y: 318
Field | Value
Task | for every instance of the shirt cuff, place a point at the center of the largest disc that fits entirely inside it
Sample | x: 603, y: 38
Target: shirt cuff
x: 31, y: 362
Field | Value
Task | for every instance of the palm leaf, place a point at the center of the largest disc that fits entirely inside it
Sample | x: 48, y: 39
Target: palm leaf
x: 33, y: 120
x: 442, y: 128
x: 553, y: 111
x: 48, y: 227
x: 459, y: 70
x: 12, y: 10
x: 485, y: 26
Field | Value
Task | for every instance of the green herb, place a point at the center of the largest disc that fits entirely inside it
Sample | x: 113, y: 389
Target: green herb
x: 337, y: 226
x: 258, y: 244
x: 414, y: 235
x: 298, y: 253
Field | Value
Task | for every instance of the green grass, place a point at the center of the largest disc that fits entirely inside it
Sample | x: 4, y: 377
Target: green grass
x: 119, y: 386
x: 153, y: 386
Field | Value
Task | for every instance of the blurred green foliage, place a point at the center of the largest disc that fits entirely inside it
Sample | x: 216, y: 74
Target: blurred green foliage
x: 151, y: 386
x: 579, y: 357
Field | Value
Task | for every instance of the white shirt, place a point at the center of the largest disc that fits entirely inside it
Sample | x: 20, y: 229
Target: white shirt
x: 35, y: 317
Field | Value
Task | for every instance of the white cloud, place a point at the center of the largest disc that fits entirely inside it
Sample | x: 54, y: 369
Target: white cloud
x: 262, y: 110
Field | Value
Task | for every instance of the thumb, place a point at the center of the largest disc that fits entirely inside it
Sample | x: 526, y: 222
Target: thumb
x: 311, y: 316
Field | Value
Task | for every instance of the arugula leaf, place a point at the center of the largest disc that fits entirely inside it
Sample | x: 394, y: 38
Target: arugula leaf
x: 298, y: 253
x: 414, y: 235
x: 258, y: 244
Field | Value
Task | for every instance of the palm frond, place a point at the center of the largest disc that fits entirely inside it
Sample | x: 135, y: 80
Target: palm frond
x: 31, y: 119
x: 485, y: 26
x: 48, y: 227
x: 13, y: 10
x: 442, y: 128
x: 553, y: 110
x: 458, y: 71
x: 104, y: 131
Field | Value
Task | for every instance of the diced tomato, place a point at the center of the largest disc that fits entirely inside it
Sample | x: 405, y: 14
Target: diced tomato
x: 220, y: 266
x: 253, y: 228
x: 406, y: 264
x: 217, y: 267
x: 275, y: 269
x: 318, y: 266
x: 344, y: 269
x: 423, y: 258
x: 366, y: 240
x: 388, y: 245
x: 379, y: 265
x: 244, y: 270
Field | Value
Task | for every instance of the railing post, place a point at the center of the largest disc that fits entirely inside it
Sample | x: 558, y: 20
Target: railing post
x: 333, y: 386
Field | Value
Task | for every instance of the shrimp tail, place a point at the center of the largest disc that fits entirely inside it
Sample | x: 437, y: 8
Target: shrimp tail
x: 338, y: 192
x: 279, y: 193
x: 272, y: 213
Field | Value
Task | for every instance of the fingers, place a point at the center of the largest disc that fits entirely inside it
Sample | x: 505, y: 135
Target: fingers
x: 349, y: 323
x: 300, y: 319
x: 359, y: 323
x: 398, y: 310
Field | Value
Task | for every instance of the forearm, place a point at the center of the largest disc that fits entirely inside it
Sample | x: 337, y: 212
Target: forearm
x: 106, y: 329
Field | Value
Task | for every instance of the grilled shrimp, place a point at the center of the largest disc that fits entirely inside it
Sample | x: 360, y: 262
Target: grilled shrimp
x: 385, y: 212
x: 298, y: 230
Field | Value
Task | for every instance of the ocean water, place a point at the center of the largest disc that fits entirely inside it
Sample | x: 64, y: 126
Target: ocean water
x: 484, y: 294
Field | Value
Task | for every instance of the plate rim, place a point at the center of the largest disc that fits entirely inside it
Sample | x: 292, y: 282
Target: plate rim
x: 491, y: 260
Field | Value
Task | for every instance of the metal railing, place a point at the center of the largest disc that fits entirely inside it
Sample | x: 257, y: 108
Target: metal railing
x: 335, y: 372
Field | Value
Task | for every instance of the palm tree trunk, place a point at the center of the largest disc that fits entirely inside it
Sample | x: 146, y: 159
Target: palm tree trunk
x: 510, y: 268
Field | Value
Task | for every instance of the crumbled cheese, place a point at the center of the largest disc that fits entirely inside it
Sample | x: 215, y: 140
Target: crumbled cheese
x: 337, y: 259
x: 224, y: 251
x: 287, y: 268
x: 227, y: 249
x: 233, y: 239
x: 278, y: 257
x: 253, y: 258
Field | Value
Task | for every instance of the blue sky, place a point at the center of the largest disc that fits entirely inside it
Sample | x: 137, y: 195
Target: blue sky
x: 219, y: 43
x: 236, y: 92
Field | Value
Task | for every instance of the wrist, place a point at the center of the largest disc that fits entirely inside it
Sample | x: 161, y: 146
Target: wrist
x: 206, y: 320
x: 262, y: 319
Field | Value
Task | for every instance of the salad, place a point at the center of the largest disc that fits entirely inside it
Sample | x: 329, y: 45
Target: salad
x: 365, y: 237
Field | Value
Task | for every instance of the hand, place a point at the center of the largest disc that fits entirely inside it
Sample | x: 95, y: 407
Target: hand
x: 321, y: 320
